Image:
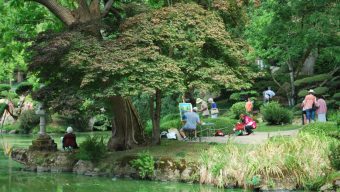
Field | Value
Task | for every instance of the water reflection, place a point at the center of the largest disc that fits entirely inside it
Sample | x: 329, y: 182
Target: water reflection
x: 12, y: 179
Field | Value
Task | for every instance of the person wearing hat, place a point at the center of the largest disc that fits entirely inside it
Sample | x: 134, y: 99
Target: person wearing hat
x: 69, y: 139
x: 203, y: 108
x: 191, y: 120
x: 309, y: 104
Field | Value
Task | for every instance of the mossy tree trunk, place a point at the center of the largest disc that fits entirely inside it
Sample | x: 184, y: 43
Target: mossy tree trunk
x: 127, y: 130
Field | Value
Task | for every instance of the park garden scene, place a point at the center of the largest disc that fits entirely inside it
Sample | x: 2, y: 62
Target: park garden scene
x: 175, y: 95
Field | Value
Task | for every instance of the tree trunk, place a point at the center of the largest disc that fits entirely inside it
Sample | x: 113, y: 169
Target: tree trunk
x: 309, y: 63
x: 155, y: 116
x: 292, y: 86
x: 127, y: 130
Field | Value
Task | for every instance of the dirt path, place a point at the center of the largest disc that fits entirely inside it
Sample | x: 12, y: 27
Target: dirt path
x: 256, y: 138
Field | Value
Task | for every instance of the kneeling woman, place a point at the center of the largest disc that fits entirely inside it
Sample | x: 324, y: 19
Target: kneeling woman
x: 248, y: 123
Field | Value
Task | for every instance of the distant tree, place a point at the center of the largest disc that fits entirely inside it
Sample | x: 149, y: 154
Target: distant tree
x: 294, y: 33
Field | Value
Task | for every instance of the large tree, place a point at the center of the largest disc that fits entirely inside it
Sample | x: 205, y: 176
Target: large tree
x: 166, y: 50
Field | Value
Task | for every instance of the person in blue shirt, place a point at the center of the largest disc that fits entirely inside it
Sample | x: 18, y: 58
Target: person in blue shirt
x: 213, y: 110
x: 191, y: 120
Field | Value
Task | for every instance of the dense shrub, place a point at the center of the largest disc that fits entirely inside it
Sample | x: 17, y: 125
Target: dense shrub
x: 145, y: 164
x: 27, y: 121
x: 23, y: 88
x: 334, y: 155
x: 324, y: 128
x: 237, y: 109
x: 226, y: 124
x: 274, y: 114
x: 92, y: 149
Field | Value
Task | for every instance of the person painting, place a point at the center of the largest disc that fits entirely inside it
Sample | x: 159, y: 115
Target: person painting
x: 204, y: 107
x: 322, y: 109
x: 191, y: 121
x: 249, y: 106
x: 309, y: 104
x: 213, y: 110
x: 69, y: 139
x: 248, y: 123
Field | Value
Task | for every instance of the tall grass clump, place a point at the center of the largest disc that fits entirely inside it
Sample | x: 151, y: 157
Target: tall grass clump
x: 299, y: 161
x: 92, y: 149
x: 275, y: 114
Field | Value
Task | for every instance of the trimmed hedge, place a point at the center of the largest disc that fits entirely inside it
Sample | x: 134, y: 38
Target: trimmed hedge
x: 275, y: 114
x: 312, y: 80
x: 4, y: 87
x: 23, y: 87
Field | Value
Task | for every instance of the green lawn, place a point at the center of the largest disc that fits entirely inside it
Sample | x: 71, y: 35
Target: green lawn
x: 263, y: 127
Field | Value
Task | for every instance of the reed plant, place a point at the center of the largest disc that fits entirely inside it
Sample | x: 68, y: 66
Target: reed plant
x: 301, y: 160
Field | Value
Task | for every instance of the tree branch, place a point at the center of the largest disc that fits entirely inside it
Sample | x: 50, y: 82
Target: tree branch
x: 64, y: 14
x: 107, y: 7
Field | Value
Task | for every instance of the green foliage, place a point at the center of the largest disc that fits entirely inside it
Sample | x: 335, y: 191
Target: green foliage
x: 237, y: 109
x: 302, y: 93
x: 335, y: 155
x: 28, y: 120
x: 3, y: 107
x: 304, y: 159
x: 23, y: 88
x: 145, y: 164
x: 167, y: 122
x: 321, y: 90
x: 321, y: 128
x: 4, y: 87
x: 336, y: 96
x: 243, y: 95
x: 92, y: 149
x: 312, y: 80
x: 226, y: 124
x: 275, y: 114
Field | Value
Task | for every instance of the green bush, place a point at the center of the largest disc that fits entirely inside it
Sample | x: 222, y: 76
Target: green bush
x: 274, y: 114
x: 145, y: 164
x: 92, y: 149
x: 226, y: 124
x: 167, y: 122
x: 237, y: 109
x: 334, y: 156
x: 336, y: 96
x: 3, y: 106
x: 324, y: 128
x: 27, y: 121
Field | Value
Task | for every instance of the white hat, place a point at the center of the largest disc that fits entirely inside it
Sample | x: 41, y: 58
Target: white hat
x: 210, y: 100
x: 194, y: 109
x: 69, y: 130
x: 199, y: 100
x: 311, y: 91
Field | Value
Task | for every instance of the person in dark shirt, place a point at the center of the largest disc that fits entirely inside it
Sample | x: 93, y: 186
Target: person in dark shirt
x: 69, y: 139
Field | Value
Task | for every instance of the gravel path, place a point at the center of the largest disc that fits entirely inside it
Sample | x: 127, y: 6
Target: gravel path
x: 255, y: 138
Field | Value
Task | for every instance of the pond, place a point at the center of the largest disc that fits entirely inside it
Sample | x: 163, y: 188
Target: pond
x: 13, y: 179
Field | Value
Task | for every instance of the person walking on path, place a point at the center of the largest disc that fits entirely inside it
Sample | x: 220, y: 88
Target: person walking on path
x: 249, y: 106
x: 204, y: 107
x: 268, y: 95
x: 322, y: 109
x: 310, y: 104
x: 191, y: 121
x: 213, y: 110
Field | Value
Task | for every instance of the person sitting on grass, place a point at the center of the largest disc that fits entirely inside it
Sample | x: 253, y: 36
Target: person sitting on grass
x: 248, y: 123
x: 191, y: 120
x: 69, y: 140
